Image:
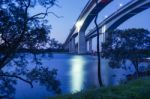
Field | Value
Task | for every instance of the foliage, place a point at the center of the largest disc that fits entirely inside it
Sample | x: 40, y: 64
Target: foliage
x: 129, y: 44
x: 54, y: 44
x: 45, y: 77
x: 137, y: 89
x: 20, y: 68
x: 19, y: 29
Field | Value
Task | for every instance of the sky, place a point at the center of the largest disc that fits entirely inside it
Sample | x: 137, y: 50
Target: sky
x: 71, y: 9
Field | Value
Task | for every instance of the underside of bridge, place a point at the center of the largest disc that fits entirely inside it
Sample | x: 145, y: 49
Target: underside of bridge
x: 112, y: 22
x: 84, y: 20
x: 117, y: 18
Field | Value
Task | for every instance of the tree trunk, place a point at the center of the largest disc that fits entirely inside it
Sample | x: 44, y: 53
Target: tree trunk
x: 136, y: 65
x: 98, y: 53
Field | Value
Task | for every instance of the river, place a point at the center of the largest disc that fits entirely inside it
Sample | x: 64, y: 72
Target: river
x: 75, y: 73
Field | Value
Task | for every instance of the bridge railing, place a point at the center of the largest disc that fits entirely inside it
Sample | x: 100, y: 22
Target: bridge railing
x: 119, y: 10
x: 113, y: 14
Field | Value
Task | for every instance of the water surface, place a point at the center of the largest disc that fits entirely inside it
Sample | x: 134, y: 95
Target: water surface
x: 75, y: 72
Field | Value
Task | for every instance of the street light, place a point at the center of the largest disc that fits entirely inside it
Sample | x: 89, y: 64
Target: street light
x: 120, y: 5
x: 79, y: 24
x: 106, y: 16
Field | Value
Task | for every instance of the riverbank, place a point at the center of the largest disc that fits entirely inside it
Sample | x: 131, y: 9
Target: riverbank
x: 136, y: 89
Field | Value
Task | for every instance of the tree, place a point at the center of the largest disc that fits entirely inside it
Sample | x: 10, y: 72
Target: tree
x: 54, y: 44
x: 130, y: 44
x: 19, y: 29
x: 98, y: 51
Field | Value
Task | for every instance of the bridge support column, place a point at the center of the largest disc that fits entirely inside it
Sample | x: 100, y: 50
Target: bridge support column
x: 70, y: 47
x: 90, y: 45
x: 66, y: 47
x: 73, y: 49
x: 82, y: 48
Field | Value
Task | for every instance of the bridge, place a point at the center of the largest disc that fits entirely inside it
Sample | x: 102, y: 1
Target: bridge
x: 112, y: 22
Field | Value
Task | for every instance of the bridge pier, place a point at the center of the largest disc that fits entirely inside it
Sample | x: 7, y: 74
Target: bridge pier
x: 82, y: 48
x: 90, y: 45
x: 72, y: 48
x: 73, y: 45
x: 76, y: 47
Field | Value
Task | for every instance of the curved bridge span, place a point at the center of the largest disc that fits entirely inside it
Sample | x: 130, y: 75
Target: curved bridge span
x: 123, y: 14
x: 112, y: 22
x: 83, y: 21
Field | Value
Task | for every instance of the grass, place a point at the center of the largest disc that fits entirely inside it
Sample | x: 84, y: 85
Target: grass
x: 136, y: 89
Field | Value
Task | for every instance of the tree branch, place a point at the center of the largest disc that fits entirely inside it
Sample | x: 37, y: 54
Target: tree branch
x: 18, y: 77
x: 44, y: 14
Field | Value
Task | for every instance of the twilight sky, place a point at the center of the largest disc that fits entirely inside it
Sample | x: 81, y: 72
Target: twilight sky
x: 71, y: 9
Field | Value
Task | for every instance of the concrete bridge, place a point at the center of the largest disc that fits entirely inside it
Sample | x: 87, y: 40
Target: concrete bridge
x: 112, y: 22
x: 83, y: 21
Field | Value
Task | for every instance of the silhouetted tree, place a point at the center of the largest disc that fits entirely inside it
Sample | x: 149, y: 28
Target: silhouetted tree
x: 20, y: 29
x: 98, y: 51
x: 129, y: 44
x: 54, y: 44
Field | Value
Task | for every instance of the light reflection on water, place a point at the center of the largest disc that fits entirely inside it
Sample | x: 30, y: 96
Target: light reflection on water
x: 77, y: 73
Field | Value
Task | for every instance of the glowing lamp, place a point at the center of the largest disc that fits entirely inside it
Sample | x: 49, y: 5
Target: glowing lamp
x: 79, y: 24
x: 120, y: 4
